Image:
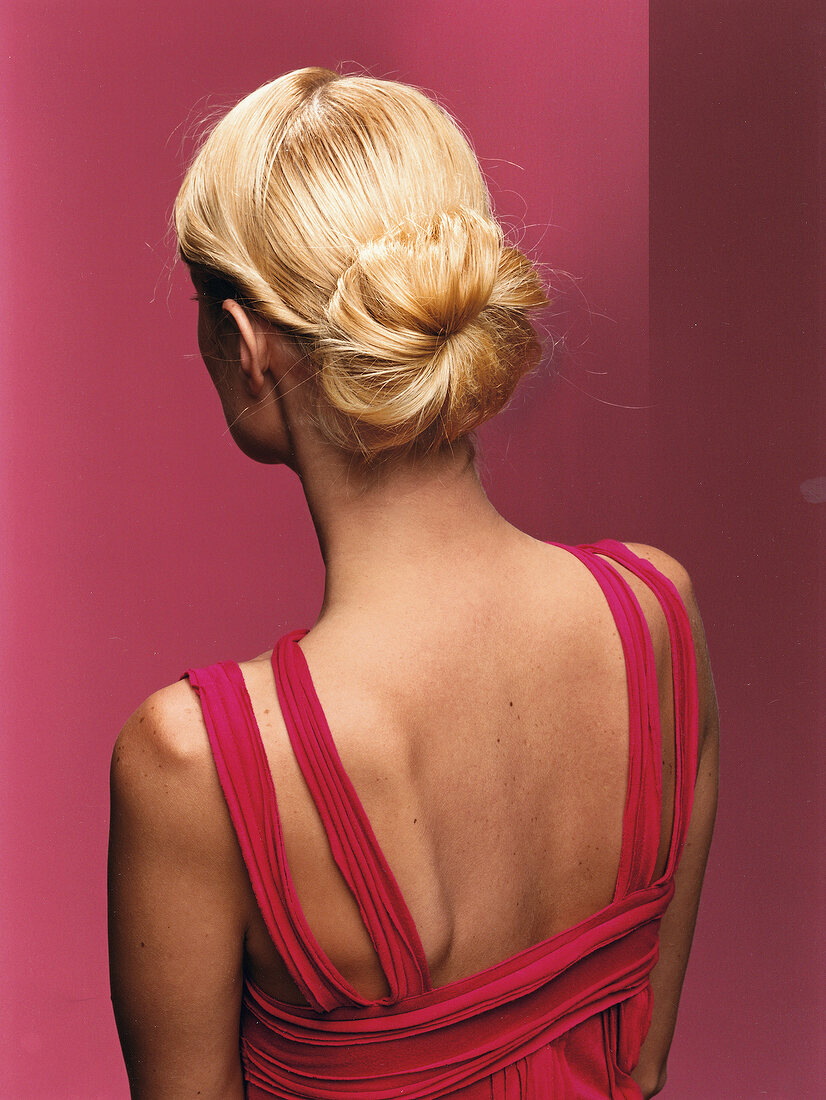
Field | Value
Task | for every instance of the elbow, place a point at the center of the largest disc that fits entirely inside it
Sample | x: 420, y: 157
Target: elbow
x: 651, y: 1080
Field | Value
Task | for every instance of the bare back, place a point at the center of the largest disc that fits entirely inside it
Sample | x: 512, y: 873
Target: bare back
x: 484, y: 725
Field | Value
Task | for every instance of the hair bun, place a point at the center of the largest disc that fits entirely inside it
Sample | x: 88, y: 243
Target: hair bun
x: 423, y: 281
x: 414, y: 331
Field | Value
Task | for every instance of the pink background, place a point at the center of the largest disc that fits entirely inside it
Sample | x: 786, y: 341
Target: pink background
x: 137, y: 541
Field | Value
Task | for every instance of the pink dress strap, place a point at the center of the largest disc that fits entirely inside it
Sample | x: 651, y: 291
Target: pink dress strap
x: 643, y: 802
x: 684, y: 677
x: 350, y: 835
x: 246, y: 781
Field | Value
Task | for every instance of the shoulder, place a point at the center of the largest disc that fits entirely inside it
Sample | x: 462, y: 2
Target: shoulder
x: 167, y: 729
x: 162, y: 772
x: 679, y: 577
x: 677, y: 573
x: 664, y: 563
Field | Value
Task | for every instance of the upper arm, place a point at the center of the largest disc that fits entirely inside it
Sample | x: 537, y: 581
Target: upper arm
x: 677, y: 927
x: 177, y: 893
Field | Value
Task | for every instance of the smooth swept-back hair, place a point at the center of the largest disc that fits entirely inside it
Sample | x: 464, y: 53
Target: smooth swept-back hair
x: 351, y: 213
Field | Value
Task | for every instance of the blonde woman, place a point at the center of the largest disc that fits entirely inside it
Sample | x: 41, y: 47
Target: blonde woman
x: 450, y: 840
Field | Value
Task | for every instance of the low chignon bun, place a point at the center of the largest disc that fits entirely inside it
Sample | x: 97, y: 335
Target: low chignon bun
x: 426, y: 329
x: 352, y: 213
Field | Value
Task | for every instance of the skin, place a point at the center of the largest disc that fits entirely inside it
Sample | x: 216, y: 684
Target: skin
x: 494, y: 780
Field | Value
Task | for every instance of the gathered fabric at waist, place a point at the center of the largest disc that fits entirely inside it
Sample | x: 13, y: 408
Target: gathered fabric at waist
x: 494, y: 1025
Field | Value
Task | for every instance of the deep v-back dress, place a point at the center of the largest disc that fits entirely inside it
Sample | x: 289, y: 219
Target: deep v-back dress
x: 564, y: 1018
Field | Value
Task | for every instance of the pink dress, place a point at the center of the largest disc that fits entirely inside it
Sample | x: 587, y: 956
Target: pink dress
x: 562, y: 1019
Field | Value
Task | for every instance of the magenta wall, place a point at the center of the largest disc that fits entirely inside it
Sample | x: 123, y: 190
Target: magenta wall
x: 738, y: 120
x: 138, y: 542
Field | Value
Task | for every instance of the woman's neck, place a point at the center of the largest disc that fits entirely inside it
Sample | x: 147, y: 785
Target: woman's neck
x: 390, y: 530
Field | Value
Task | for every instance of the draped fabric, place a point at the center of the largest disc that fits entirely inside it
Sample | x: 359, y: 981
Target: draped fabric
x: 564, y: 1018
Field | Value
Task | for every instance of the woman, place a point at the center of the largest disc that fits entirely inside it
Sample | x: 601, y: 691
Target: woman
x: 461, y: 889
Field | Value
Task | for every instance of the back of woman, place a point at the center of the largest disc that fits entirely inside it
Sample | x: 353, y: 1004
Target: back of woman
x: 492, y: 772
x: 426, y: 847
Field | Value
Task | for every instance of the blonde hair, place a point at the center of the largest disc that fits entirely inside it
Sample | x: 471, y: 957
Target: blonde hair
x: 351, y: 212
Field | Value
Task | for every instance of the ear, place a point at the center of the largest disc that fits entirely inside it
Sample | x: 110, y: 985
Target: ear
x: 253, y: 348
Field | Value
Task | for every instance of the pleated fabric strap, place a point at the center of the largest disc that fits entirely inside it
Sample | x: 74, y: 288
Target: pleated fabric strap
x: 684, y: 679
x: 350, y: 835
x: 643, y: 803
x: 247, y: 784
x: 246, y: 780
